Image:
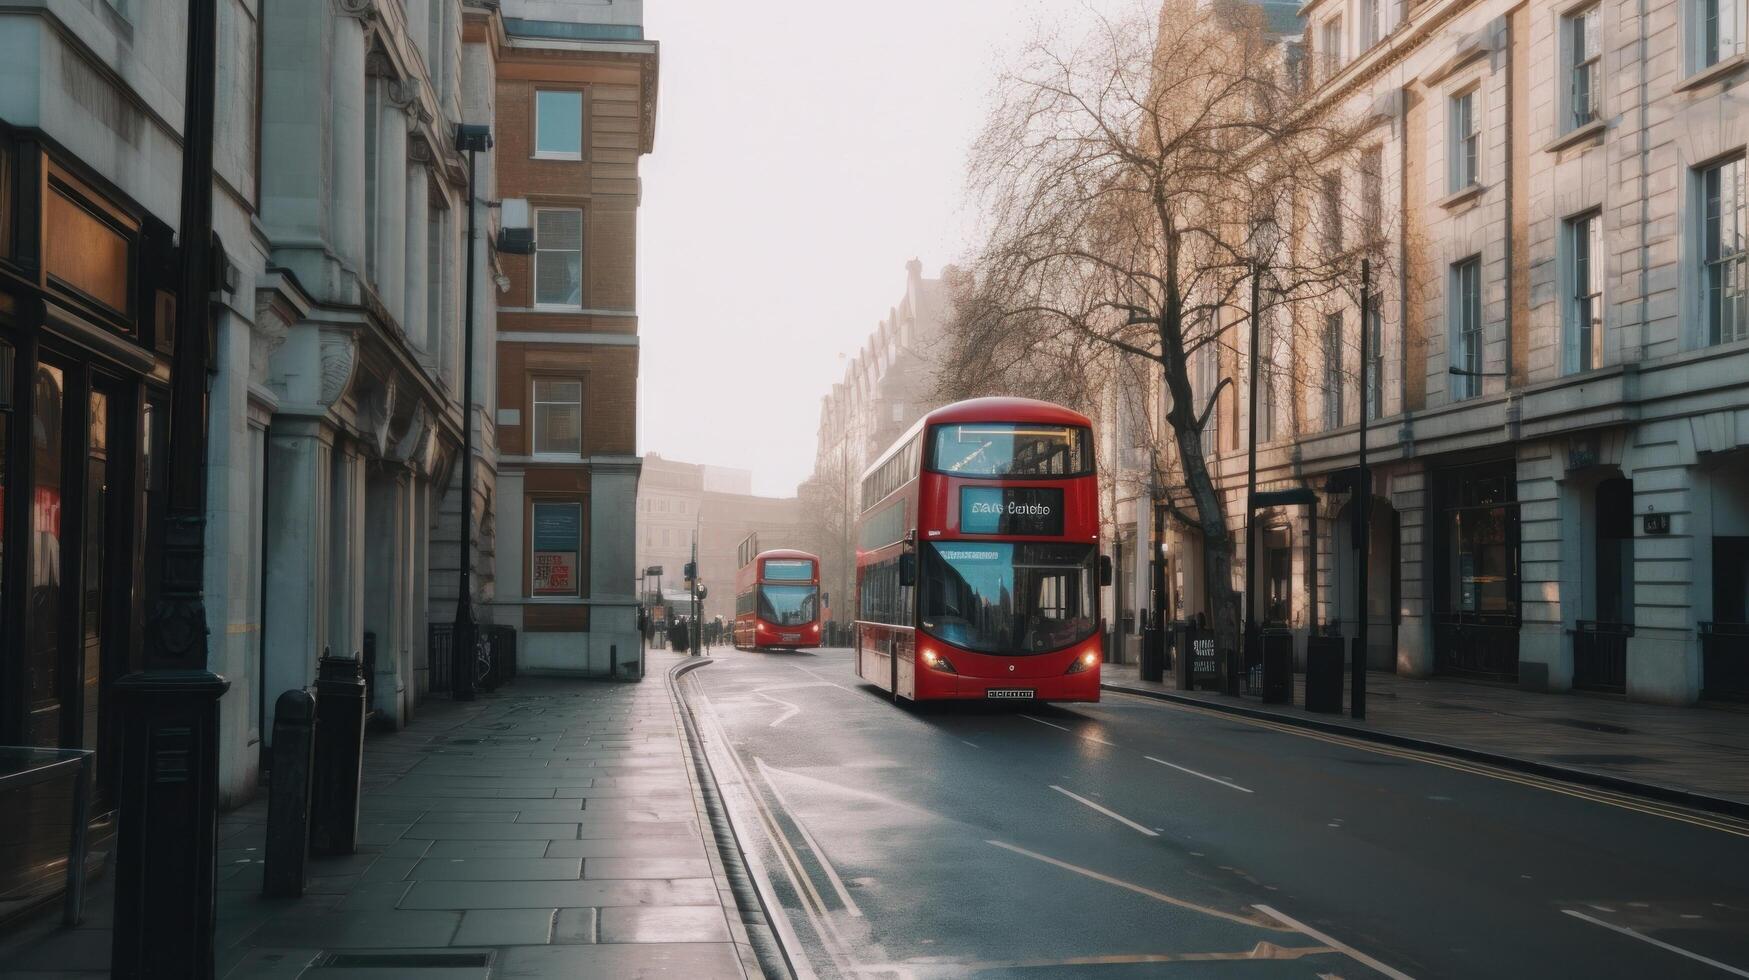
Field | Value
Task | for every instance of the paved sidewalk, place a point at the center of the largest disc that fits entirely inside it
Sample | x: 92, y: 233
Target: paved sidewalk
x: 1703, y: 751
x: 553, y: 827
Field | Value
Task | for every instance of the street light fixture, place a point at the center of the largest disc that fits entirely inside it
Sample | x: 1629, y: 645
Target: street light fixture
x: 471, y: 138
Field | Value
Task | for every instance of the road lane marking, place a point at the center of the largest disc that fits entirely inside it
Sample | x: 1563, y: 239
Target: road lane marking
x: 823, y: 680
x: 787, y: 715
x: 1346, y: 949
x: 812, y: 905
x: 1661, y: 944
x: 1262, y: 951
x: 1071, y: 731
x: 1621, y: 801
x: 813, y: 845
x: 1141, y: 889
x: 1200, y: 775
x: 1120, y: 818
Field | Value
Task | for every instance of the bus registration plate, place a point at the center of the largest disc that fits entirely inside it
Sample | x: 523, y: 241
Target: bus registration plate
x: 1009, y: 693
x: 791, y: 637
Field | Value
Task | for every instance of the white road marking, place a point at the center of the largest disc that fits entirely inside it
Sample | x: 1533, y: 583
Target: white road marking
x: 819, y: 852
x: 973, y: 745
x: 1071, y: 731
x: 1200, y: 775
x: 1661, y: 944
x: 1138, y: 889
x: 787, y: 715
x: 1120, y: 818
x: 1346, y: 949
x: 823, y: 680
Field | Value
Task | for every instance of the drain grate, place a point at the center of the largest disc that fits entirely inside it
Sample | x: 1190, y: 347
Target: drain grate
x: 405, y: 961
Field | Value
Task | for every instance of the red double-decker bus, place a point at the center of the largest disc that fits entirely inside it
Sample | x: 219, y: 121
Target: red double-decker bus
x: 977, y: 564
x: 777, y: 601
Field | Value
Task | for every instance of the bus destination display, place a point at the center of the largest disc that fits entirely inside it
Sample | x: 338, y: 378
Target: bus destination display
x: 1011, y: 510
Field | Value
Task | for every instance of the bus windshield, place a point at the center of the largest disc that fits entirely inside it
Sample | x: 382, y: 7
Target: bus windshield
x: 1007, y: 598
x: 1011, y: 450
x: 788, y: 605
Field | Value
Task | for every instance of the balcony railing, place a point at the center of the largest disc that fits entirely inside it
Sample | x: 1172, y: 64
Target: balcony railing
x: 1476, y: 645
x: 1600, y: 656
x: 494, y: 659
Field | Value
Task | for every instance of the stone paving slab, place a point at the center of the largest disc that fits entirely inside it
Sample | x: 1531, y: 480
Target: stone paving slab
x: 553, y: 825
x: 1699, y: 750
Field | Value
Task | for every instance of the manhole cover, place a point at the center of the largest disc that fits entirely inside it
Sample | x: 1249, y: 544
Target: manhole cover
x: 404, y: 961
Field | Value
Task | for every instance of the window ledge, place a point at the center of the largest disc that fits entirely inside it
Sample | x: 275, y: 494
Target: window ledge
x: 1712, y: 73
x: 1591, y: 131
x: 572, y: 157
x: 1462, y: 196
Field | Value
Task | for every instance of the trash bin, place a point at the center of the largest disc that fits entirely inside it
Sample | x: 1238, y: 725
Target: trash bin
x: 1325, y: 658
x: 1278, y: 667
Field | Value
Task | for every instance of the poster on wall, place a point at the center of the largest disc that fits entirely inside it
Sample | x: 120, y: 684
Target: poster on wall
x: 557, y: 539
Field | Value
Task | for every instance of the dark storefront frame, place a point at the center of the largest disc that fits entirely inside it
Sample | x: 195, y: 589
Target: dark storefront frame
x: 85, y: 321
x: 1474, y: 635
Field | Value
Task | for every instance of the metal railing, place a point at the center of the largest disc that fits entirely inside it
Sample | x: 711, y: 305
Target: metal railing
x: 1472, y: 645
x: 1724, y: 661
x: 1600, y: 656
x: 494, y: 659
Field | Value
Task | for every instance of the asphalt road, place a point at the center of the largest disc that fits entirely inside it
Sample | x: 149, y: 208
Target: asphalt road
x: 1133, y: 838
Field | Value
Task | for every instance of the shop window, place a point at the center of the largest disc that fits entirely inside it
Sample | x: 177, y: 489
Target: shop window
x: 43, y: 640
x: 558, y: 417
x: 555, y: 546
x: 1278, y: 565
x: 558, y: 126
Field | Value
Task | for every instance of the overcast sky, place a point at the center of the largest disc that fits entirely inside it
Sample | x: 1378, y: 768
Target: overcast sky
x: 805, y: 150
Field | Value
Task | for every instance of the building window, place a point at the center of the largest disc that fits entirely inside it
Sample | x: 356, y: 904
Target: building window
x: 558, y: 417
x: 1721, y: 31
x: 1466, y: 313
x: 1725, y: 250
x: 1374, y: 381
x: 1585, y: 308
x: 1466, y: 140
x: 1333, y: 370
x: 1330, y: 48
x: 1371, y: 23
x: 1208, y: 376
x: 558, y: 125
x: 558, y: 257
x: 555, y: 542
x: 1584, y: 67
x: 1332, y: 188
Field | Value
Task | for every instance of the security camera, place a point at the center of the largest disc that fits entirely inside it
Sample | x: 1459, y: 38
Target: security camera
x: 503, y: 282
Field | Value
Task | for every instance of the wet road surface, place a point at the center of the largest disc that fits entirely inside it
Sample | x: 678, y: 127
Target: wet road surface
x: 1135, y: 839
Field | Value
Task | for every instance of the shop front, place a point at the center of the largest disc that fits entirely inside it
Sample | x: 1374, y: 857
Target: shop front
x: 85, y: 281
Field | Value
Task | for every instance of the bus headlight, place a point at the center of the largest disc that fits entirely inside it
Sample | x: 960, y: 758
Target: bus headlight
x: 935, y: 662
x: 1083, y: 662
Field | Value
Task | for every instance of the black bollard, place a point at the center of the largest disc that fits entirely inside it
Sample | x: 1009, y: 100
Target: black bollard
x: 339, y: 755
x: 288, y: 798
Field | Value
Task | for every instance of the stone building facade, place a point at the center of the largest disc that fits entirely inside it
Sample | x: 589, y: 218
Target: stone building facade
x: 1556, y: 405
x: 576, y: 111
x: 888, y: 385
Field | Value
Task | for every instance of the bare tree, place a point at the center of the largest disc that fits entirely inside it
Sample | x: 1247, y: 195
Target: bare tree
x: 1132, y: 181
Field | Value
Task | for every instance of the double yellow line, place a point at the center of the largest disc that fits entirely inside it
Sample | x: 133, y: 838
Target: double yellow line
x: 1722, y: 824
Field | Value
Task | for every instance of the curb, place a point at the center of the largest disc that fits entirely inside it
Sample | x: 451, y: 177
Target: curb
x: 1630, y: 787
x: 774, y: 959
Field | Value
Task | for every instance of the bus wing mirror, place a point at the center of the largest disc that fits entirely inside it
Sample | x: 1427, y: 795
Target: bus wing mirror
x: 825, y: 598
x: 907, y: 570
x: 1104, y: 569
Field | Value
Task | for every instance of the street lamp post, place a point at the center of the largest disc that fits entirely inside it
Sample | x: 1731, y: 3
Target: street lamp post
x: 472, y: 138
x: 1249, y: 642
x: 165, y: 887
x: 1362, y: 517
